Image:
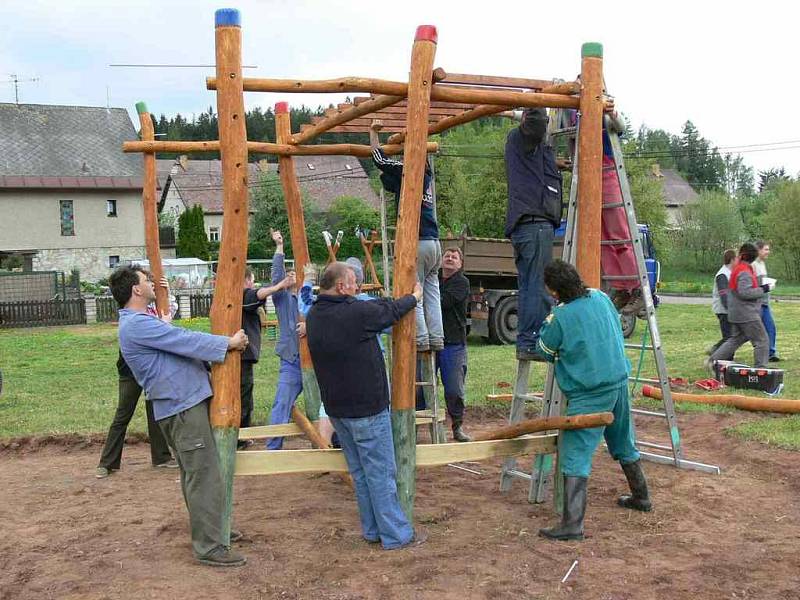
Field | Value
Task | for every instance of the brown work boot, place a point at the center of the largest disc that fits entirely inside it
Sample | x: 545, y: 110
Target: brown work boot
x: 221, y: 556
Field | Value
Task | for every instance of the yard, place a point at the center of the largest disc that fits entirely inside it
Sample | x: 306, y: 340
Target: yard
x: 69, y: 535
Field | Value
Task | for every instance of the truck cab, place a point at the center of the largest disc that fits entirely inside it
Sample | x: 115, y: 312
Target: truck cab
x: 489, y: 265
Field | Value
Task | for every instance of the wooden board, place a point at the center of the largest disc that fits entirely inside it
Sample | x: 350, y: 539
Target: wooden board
x: 292, y: 430
x: 281, y: 462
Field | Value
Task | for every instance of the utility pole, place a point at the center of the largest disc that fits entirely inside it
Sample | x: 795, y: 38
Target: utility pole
x: 16, y: 81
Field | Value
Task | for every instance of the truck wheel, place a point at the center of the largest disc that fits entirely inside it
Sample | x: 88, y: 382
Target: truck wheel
x: 503, y: 321
x: 628, y: 325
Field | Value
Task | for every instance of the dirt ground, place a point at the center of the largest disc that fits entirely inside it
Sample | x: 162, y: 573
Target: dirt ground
x: 69, y: 535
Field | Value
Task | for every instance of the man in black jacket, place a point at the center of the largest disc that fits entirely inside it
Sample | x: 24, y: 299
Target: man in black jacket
x: 534, y: 210
x: 452, y: 361
x: 342, y: 337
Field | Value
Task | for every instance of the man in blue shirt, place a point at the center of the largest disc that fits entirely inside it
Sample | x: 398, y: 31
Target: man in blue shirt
x: 583, y: 338
x: 170, y: 365
x: 290, y: 375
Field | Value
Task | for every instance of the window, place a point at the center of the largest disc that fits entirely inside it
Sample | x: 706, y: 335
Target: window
x: 67, y: 218
x: 111, y: 208
x: 113, y: 262
x: 213, y: 234
x: 310, y: 166
x: 348, y: 167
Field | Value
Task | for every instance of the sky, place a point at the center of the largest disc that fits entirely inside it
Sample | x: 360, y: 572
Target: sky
x: 708, y: 62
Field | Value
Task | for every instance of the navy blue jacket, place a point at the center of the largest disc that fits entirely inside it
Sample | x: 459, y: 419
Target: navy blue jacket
x: 392, y: 178
x: 534, y: 182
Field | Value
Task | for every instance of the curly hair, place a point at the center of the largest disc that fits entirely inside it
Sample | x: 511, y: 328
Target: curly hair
x: 562, y: 278
x: 748, y: 252
x: 122, y: 281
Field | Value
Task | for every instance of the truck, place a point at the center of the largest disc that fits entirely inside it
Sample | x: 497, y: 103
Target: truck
x: 489, y: 265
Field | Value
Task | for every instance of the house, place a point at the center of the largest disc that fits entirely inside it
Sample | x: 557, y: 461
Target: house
x: 69, y: 197
x: 677, y: 193
x: 322, y: 178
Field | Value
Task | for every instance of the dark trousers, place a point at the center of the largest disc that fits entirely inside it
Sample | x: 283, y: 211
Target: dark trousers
x: 452, y: 366
x: 247, y: 394
x: 129, y: 393
x: 725, y: 331
x: 533, y: 250
x: 189, y: 435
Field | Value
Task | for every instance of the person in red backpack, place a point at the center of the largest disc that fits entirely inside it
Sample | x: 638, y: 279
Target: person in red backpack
x: 744, y: 311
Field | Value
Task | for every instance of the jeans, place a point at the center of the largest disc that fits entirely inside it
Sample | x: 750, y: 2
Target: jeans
x: 290, y: 384
x: 129, y: 392
x: 769, y: 325
x: 452, y: 366
x: 369, y: 451
x: 246, y: 390
x: 533, y: 250
x: 578, y: 445
x: 430, y: 331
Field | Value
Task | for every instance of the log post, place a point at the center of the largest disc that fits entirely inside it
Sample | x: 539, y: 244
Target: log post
x: 150, y: 207
x: 297, y: 231
x: 590, y: 164
x: 546, y: 424
x: 226, y: 309
x: 405, y: 264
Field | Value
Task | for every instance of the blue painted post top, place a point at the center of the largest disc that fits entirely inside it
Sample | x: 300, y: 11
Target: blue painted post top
x: 227, y: 17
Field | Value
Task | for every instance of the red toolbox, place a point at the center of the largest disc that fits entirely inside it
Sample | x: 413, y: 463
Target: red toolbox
x: 750, y: 378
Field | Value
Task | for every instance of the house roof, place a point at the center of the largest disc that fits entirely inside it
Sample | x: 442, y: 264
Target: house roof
x: 322, y: 178
x: 677, y: 191
x: 52, y: 146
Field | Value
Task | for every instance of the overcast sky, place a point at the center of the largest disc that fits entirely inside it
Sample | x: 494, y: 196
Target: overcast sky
x: 716, y: 63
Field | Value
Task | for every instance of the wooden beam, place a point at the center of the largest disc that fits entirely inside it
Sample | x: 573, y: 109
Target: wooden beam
x: 269, y: 148
x: 449, y: 122
x: 293, y: 430
x: 396, y: 88
x: 345, y: 116
x: 751, y: 403
x: 297, y: 226
x: 282, y: 462
x: 150, y: 206
x: 405, y: 264
x: 546, y: 424
x: 590, y: 165
x: 497, y: 81
x: 226, y: 308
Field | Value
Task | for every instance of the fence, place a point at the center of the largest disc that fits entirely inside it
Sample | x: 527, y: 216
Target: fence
x: 42, y: 313
x: 200, y: 304
x: 106, y: 309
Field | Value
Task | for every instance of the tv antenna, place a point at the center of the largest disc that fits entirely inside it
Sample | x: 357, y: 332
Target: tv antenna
x: 16, y: 81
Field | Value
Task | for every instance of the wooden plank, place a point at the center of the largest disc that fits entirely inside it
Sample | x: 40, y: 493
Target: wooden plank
x: 269, y: 148
x: 497, y: 81
x: 282, y: 462
x: 344, y: 116
x: 292, y: 430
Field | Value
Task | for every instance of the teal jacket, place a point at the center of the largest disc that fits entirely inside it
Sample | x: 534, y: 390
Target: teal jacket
x: 584, y: 340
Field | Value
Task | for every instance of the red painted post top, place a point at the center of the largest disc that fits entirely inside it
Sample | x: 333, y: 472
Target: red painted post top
x: 427, y: 33
x: 281, y: 108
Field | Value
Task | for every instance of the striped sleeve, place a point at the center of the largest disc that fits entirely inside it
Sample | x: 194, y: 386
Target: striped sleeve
x: 382, y: 161
x: 550, y: 338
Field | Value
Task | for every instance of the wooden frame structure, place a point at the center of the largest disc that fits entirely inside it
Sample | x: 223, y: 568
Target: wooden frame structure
x: 430, y: 102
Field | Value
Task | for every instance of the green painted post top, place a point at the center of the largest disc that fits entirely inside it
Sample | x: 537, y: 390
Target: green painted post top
x: 594, y: 49
x: 141, y: 108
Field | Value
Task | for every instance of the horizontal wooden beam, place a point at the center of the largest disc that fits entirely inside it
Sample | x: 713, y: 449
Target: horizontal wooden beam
x: 399, y: 88
x: 496, y: 81
x: 435, y: 106
x: 586, y: 421
x: 293, y: 430
x: 281, y: 462
x: 268, y: 148
x: 455, y: 120
x: 344, y: 116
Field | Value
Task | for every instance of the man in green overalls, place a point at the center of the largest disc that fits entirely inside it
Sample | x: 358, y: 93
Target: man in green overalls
x: 583, y: 337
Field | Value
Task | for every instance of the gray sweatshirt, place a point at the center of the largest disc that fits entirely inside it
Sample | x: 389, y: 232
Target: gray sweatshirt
x: 744, y: 304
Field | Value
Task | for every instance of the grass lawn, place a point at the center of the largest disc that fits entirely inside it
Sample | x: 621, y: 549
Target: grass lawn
x: 679, y: 281
x: 64, y: 380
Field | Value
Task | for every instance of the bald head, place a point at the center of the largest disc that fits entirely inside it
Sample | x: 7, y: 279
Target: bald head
x: 338, y: 279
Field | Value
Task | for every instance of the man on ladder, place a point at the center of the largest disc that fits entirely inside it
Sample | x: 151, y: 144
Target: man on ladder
x: 534, y: 211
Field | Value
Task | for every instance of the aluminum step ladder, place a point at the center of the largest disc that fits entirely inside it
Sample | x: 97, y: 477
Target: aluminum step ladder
x: 669, y: 452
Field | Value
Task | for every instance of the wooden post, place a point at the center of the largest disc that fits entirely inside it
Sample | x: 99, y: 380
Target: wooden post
x: 297, y: 231
x: 546, y: 424
x: 590, y: 164
x: 405, y: 263
x: 226, y: 309
x: 150, y: 207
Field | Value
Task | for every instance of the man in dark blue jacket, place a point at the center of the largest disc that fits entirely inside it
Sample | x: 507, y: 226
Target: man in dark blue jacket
x: 534, y: 210
x: 342, y: 337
